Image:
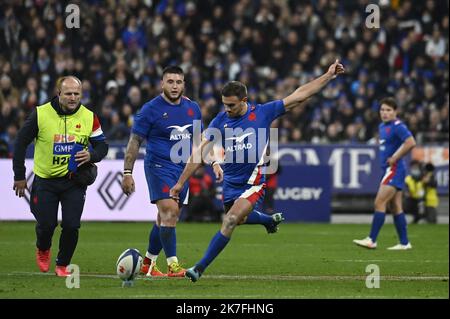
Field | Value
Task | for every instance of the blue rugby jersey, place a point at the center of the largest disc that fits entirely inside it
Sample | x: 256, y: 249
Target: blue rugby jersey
x: 244, y: 147
x: 164, y: 125
x: 391, y: 136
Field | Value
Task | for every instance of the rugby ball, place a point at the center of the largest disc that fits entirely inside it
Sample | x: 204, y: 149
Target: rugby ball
x: 129, y: 264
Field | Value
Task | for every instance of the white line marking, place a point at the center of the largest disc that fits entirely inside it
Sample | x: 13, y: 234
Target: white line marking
x: 255, y: 277
x: 392, y: 261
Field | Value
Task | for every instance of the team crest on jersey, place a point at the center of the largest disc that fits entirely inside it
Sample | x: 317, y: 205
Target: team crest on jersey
x: 388, y: 130
x: 252, y: 117
x: 190, y: 112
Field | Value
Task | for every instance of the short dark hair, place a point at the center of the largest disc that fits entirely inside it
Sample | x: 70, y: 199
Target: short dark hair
x: 173, y: 69
x: 390, y: 101
x: 235, y: 88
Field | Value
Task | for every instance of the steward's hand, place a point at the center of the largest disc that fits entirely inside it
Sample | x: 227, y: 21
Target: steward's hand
x: 82, y: 157
x: 19, y: 187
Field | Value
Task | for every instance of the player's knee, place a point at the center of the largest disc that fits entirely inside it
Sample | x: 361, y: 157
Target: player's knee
x: 168, y: 213
x: 380, y: 204
x: 242, y: 221
x: 168, y: 217
x: 230, y: 221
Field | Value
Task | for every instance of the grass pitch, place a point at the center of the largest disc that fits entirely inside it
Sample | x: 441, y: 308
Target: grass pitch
x: 300, y: 261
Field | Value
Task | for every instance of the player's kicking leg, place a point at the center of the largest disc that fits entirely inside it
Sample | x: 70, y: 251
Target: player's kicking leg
x: 255, y: 194
x: 270, y: 222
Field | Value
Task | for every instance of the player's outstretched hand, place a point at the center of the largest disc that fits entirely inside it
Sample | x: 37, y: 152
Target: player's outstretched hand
x: 175, y: 192
x: 335, y: 69
x: 128, y: 186
x: 218, y: 172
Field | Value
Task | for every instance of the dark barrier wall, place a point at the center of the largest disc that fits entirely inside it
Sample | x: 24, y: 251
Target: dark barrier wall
x: 304, y: 193
x: 356, y: 168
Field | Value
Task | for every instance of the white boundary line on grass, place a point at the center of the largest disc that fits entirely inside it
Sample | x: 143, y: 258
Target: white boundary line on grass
x: 254, y: 277
x: 265, y: 296
x: 427, y: 261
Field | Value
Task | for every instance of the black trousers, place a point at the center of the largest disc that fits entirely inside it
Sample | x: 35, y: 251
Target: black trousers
x: 46, y: 194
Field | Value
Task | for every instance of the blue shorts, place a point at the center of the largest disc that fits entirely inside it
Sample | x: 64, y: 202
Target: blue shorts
x: 161, y: 179
x: 253, y: 193
x: 394, y: 176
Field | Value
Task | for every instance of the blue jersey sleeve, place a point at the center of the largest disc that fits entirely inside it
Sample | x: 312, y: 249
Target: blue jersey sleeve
x: 402, y: 131
x: 197, y: 129
x: 143, y: 121
x: 213, y: 127
x: 198, y: 115
x: 273, y: 109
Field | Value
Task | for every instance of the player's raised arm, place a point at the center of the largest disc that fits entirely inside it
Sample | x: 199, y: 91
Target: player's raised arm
x: 309, y: 89
x: 131, y: 154
x: 193, y: 163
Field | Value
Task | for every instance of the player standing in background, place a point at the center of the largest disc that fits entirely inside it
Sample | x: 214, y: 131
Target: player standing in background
x: 243, y: 183
x: 395, y: 141
x: 166, y: 120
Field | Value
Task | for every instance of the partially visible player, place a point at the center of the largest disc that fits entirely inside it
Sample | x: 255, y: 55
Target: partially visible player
x: 243, y: 184
x: 164, y: 122
x: 395, y: 141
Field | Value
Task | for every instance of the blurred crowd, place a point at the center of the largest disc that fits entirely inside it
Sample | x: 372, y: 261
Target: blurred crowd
x: 272, y: 46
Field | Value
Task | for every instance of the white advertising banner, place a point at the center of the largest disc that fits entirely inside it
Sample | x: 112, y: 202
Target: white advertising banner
x: 105, y: 200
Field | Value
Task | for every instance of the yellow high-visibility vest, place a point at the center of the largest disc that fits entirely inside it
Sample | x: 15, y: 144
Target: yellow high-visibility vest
x: 431, y: 197
x: 416, y: 188
x: 56, y: 136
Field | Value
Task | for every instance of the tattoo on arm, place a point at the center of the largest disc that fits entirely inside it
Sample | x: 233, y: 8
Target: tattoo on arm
x: 132, y: 150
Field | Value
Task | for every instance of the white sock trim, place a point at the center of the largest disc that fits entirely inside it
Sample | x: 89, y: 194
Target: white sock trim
x: 172, y: 259
x: 150, y: 256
